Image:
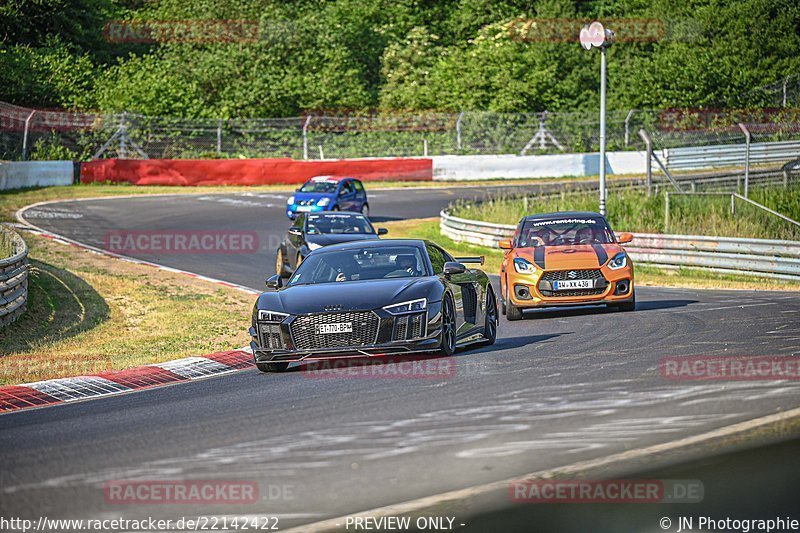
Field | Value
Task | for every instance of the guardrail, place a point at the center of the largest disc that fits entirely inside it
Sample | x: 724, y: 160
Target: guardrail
x: 13, y: 279
x: 729, y: 155
x: 754, y: 257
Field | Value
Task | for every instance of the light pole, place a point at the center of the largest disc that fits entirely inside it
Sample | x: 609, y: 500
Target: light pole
x: 594, y: 35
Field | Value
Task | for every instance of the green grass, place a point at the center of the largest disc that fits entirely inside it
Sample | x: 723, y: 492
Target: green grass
x: 88, y: 313
x: 631, y: 210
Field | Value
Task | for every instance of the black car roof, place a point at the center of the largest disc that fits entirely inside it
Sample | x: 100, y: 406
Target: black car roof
x: 564, y: 214
x: 373, y: 244
x: 334, y: 214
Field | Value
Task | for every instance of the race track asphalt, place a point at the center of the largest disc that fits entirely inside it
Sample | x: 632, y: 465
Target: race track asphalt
x: 558, y: 387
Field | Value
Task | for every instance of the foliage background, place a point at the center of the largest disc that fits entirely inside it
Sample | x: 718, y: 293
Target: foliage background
x: 390, y: 55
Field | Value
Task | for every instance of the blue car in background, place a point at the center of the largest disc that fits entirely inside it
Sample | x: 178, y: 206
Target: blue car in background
x: 328, y: 193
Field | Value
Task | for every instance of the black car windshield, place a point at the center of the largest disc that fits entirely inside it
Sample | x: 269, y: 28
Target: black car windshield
x: 360, y: 264
x: 338, y: 224
x: 320, y: 185
x: 564, y: 232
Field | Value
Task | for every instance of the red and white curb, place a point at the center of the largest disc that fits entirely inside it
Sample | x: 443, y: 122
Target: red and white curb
x: 65, y: 390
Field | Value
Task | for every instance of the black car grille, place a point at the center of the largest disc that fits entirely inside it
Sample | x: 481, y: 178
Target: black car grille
x: 564, y: 275
x: 271, y: 336
x: 408, y: 327
x: 365, y: 330
x: 547, y: 279
x: 575, y: 292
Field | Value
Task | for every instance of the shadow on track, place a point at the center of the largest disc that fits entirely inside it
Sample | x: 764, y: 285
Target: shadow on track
x: 653, y: 305
x: 509, y: 343
x: 383, y: 219
x: 352, y: 365
x: 565, y: 312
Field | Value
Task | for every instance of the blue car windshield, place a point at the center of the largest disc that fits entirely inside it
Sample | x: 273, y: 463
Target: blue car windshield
x: 320, y: 186
x: 353, y: 264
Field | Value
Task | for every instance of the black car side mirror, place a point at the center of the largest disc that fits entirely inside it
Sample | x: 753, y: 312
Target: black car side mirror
x: 275, y: 282
x: 452, y: 267
x: 295, y: 231
x: 382, y: 231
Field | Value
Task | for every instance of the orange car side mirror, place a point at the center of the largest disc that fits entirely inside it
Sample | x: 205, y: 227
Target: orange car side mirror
x: 505, y: 244
x: 624, y: 238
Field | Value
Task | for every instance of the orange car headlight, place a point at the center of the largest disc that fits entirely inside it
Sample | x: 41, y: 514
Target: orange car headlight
x: 523, y: 266
x: 618, y: 261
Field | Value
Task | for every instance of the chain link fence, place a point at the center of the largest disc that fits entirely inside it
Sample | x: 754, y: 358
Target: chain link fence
x: 53, y: 134
x: 48, y: 134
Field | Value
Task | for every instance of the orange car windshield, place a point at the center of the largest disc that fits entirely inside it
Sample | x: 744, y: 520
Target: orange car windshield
x: 564, y: 232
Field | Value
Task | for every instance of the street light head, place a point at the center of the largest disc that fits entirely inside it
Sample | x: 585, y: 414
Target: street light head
x: 609, y: 38
x: 594, y: 35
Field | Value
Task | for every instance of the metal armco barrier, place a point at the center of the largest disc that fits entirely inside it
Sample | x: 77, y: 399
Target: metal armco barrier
x: 730, y: 155
x: 13, y: 279
x: 754, y: 257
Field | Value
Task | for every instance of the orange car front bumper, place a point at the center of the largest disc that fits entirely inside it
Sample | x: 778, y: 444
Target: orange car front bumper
x: 537, y: 290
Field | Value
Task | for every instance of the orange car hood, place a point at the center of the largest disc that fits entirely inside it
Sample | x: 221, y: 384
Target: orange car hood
x: 566, y: 257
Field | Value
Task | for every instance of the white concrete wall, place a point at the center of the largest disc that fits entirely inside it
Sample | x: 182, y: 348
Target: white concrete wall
x: 18, y: 174
x: 479, y: 167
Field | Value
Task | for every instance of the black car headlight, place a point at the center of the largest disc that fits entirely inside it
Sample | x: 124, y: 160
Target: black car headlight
x: 618, y: 261
x: 411, y: 306
x: 271, y: 317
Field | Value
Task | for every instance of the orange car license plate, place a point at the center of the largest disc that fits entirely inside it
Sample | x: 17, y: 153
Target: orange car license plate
x: 572, y: 284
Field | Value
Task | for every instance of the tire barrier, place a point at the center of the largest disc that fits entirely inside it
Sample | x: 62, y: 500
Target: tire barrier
x: 13, y: 278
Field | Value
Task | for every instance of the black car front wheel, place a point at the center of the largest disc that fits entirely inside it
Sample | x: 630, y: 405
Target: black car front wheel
x: 272, y: 367
x: 448, y: 345
x: 490, y: 327
x: 627, y: 306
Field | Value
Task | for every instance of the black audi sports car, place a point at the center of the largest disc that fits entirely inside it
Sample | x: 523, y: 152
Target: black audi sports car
x: 315, y: 230
x: 372, y: 298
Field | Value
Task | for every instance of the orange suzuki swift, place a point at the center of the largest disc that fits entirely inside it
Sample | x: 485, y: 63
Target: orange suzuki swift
x: 567, y: 258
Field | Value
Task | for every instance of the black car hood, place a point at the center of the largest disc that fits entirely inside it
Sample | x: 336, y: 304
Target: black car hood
x: 326, y: 239
x: 349, y: 295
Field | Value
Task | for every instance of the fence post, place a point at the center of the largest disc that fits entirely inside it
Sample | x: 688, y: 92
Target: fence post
x: 746, y: 158
x: 733, y: 204
x: 785, y: 84
x: 25, y: 136
x: 649, y: 163
x: 425, y: 147
x: 666, y: 212
x: 305, y: 137
x: 219, y: 137
x: 458, y: 130
x: 321, y: 153
x: 627, y: 126
x: 123, y: 128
